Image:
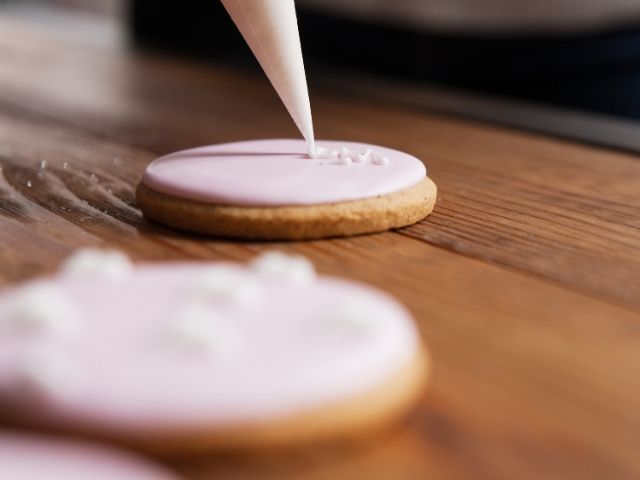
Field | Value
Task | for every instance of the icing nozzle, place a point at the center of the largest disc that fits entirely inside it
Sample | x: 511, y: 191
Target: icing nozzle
x: 270, y: 28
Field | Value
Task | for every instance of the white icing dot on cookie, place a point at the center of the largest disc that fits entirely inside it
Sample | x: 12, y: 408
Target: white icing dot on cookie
x: 357, y: 316
x: 221, y: 284
x: 295, y: 268
x: 92, y: 262
x: 315, y: 151
x: 39, y: 308
x: 380, y: 160
x: 42, y: 375
x: 198, y: 328
x: 345, y: 156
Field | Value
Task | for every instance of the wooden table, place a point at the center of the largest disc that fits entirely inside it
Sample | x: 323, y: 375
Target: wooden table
x: 525, y: 280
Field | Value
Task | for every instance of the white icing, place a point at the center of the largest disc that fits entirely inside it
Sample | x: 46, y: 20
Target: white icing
x: 39, y: 308
x: 225, y: 285
x: 311, y: 149
x: 295, y: 268
x: 97, y: 263
x: 345, y: 156
x: 43, y: 374
x: 322, y: 153
x: 198, y: 328
x: 357, y: 316
x: 379, y: 159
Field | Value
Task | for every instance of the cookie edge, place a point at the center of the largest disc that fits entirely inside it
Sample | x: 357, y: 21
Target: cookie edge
x: 348, y: 419
x: 369, y: 215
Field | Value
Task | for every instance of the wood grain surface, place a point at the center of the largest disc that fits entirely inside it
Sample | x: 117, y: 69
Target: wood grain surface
x: 525, y: 280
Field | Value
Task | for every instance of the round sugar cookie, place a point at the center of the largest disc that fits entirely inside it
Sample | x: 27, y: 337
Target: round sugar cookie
x: 29, y: 456
x: 272, y: 190
x: 185, y: 357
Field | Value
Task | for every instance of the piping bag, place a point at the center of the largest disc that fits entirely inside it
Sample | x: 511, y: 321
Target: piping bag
x: 270, y: 28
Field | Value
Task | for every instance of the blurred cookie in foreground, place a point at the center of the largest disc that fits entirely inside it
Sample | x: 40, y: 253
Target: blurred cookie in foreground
x: 185, y: 357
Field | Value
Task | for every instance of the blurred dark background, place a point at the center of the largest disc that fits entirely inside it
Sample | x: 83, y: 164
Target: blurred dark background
x: 579, y: 54
x: 582, y: 54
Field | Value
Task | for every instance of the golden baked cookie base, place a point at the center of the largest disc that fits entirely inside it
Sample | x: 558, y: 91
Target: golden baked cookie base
x: 348, y: 419
x: 356, y: 217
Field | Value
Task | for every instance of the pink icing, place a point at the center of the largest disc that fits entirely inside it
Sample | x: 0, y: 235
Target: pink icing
x: 289, y: 350
x: 279, y: 172
x: 35, y: 457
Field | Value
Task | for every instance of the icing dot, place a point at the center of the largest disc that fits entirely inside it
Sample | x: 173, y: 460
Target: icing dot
x: 295, y: 268
x: 198, y: 328
x: 224, y: 285
x: 344, y: 156
x: 325, y: 154
x: 357, y: 316
x: 315, y: 151
x: 379, y: 159
x: 311, y: 150
x: 39, y: 308
x: 43, y: 375
x: 98, y: 263
x: 344, y: 159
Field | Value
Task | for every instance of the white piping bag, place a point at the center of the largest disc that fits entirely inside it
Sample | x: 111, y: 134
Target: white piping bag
x: 270, y: 28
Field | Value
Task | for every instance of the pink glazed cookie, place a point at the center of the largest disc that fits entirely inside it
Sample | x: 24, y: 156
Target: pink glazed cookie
x: 26, y: 456
x: 184, y: 357
x: 272, y: 189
